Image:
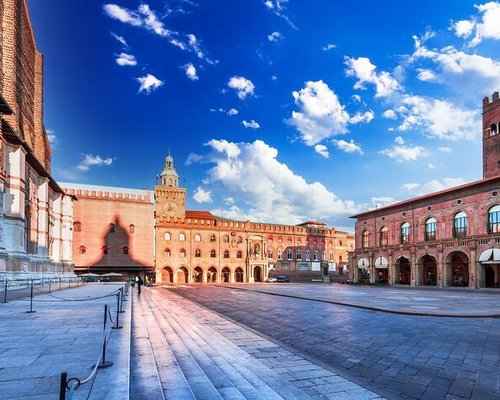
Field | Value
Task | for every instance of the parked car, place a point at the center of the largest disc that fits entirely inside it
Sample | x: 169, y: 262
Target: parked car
x: 282, y: 278
x: 271, y: 280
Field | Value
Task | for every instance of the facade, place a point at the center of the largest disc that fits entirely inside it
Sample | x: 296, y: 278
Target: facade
x: 448, y: 238
x: 35, y: 213
x: 112, y: 229
x: 196, y: 246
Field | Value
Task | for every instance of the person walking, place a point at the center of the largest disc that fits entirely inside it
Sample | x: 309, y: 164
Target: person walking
x: 139, y: 282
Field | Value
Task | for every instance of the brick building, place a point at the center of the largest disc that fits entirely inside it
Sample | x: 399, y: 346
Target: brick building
x: 447, y: 238
x: 196, y: 246
x: 112, y: 229
x: 35, y: 214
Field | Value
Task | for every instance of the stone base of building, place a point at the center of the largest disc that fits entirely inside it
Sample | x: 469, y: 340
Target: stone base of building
x: 21, y: 266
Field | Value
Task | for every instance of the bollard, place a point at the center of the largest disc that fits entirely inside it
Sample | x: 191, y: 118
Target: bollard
x: 104, y: 363
x: 121, y: 300
x: 62, y: 387
x: 50, y: 281
x: 117, y: 325
x: 31, y: 300
x: 60, y: 282
x: 6, y: 283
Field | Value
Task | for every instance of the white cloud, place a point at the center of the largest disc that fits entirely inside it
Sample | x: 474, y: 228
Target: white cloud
x: 151, y: 21
x: 124, y: 59
x: 431, y: 166
x: 404, y: 153
x: 322, y: 150
x: 52, y: 138
x: 432, y: 186
x: 381, y: 201
x: 425, y: 75
x: 90, y: 160
x: 348, y: 147
x: 274, y: 37
x: 149, y: 83
x: 143, y: 17
x: 202, y: 196
x: 389, y: 114
x: 328, y: 47
x: 278, y: 8
x: 444, y: 149
x: 251, y: 124
x: 267, y: 189
x: 365, y: 72
x: 190, y: 71
x: 193, y: 158
x: 356, y: 98
x: 243, y: 86
x: 464, y: 28
x: 362, y: 118
x: 232, y: 111
x: 485, y: 26
x: 122, y: 14
x: 274, y: 78
x: 121, y: 39
x: 411, y: 186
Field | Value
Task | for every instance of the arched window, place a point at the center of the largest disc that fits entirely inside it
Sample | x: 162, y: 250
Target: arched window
x: 364, y: 239
x: 494, y: 219
x: 340, y: 242
x: 493, y: 130
x: 77, y: 226
x: 315, y: 255
x: 270, y: 253
x: 131, y: 228
x: 226, y: 253
x: 289, y: 255
x: 331, y: 255
x: 182, y: 253
x: 308, y: 255
x: 111, y: 228
x: 197, y: 253
x: 384, y: 236
x: 405, y: 233
x: 323, y: 256
x: 167, y: 252
x: 299, y: 255
x: 226, y: 239
x: 430, y: 228
x: 212, y: 238
x: 239, y: 254
x: 182, y: 237
x: 197, y: 238
x: 167, y: 236
x: 104, y: 249
x: 340, y: 259
x: 460, y: 225
x: 212, y: 253
x: 82, y: 249
x: 280, y: 254
x: 125, y: 249
x: 239, y: 240
x: 256, y: 249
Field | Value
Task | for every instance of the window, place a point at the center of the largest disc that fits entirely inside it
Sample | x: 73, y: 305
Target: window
x: 212, y: 253
x: 197, y: 238
x: 430, y: 229
x: 131, y: 228
x: 364, y: 239
x: 182, y: 237
x: 77, y: 226
x: 340, y: 242
x: 308, y: 255
x: 226, y: 239
x: 323, y: 256
x: 405, y: 233
x: 289, y: 254
x: 82, y: 249
x: 111, y: 228
x: 125, y: 249
x: 239, y: 254
x: 182, y: 253
x: 212, y: 238
x: 384, y: 236
x: 240, y: 239
x: 494, y: 219
x: 315, y: 255
x: 460, y: 225
x: 270, y: 253
x: 280, y: 254
x: 167, y: 253
x: 226, y: 253
x: 197, y: 253
x: 340, y: 259
x: 104, y: 249
x: 331, y: 255
x: 167, y: 236
x: 493, y: 130
x: 299, y: 255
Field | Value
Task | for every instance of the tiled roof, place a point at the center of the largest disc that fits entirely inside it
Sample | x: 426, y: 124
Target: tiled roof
x: 199, y: 214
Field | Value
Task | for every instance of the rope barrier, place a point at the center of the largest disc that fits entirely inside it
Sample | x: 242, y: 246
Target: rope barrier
x: 81, y: 299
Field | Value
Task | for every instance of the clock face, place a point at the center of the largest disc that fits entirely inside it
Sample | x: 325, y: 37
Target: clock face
x: 170, y: 208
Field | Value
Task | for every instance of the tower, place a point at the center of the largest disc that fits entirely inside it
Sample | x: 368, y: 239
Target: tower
x: 170, y: 199
x: 491, y: 136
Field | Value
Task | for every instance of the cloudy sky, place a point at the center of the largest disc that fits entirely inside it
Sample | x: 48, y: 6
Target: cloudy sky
x: 276, y: 110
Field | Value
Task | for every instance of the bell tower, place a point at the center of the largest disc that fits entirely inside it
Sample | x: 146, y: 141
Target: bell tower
x: 170, y: 199
x: 491, y: 136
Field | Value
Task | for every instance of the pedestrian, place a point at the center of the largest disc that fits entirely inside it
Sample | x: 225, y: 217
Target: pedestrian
x: 139, y: 282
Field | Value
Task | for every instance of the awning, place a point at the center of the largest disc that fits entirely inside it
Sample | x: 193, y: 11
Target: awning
x: 381, y: 262
x: 363, y: 263
x: 490, y: 256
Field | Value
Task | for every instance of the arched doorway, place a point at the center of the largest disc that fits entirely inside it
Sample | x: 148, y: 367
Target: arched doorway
x: 429, y: 271
x: 403, y: 271
x: 198, y: 275
x: 182, y: 275
x: 238, y: 274
x: 459, y: 270
x: 212, y: 275
x: 226, y: 275
x: 257, y: 274
x: 490, y: 276
x: 167, y: 275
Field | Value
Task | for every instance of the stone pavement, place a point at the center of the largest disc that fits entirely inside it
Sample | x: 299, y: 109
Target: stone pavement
x: 60, y: 336
x: 195, y: 353
x: 397, y: 356
x: 453, y: 302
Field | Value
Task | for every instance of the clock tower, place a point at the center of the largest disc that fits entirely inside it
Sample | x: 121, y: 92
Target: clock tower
x: 170, y: 199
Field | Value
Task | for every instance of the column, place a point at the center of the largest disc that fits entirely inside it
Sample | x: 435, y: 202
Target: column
x: 473, y: 270
x: 441, y: 270
x: 371, y: 268
x: 42, y: 248
x: 413, y: 270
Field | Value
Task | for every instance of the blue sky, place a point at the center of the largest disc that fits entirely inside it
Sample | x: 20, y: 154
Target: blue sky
x: 279, y: 111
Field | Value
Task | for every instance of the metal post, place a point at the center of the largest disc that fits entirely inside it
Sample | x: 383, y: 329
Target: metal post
x: 31, y: 300
x: 60, y: 282
x: 6, y: 283
x: 117, y: 325
x: 50, y: 281
x: 121, y: 300
x: 104, y: 363
x: 62, y: 387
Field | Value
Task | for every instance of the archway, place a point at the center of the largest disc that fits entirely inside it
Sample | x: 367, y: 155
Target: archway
x: 257, y: 274
x: 403, y: 271
x: 490, y: 276
x: 212, y: 275
x: 238, y: 274
x: 429, y: 271
x: 459, y: 270
x: 226, y: 275
x: 167, y: 275
x: 198, y: 275
x: 182, y: 275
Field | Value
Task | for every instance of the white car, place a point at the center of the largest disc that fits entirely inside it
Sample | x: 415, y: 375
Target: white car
x: 271, y: 280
